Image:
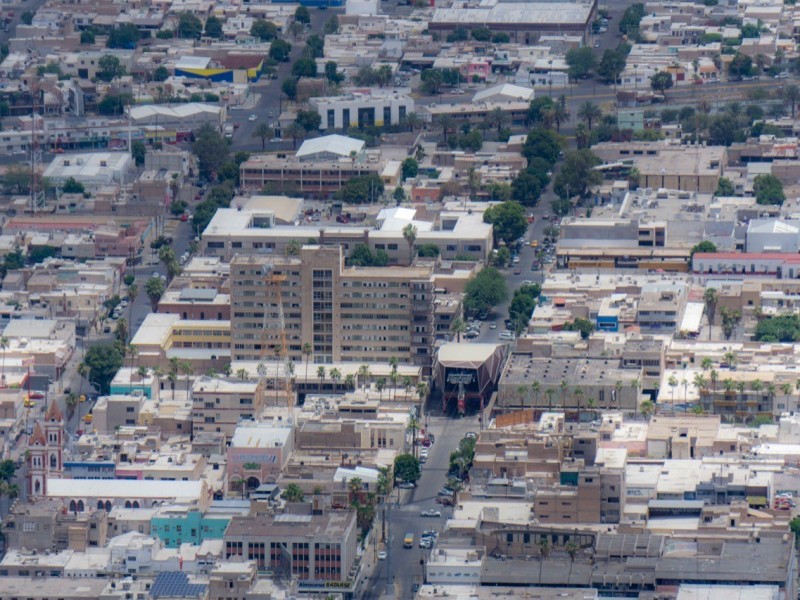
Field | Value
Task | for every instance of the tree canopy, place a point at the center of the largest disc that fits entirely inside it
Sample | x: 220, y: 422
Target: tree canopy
x: 582, y: 62
x: 784, y: 328
x: 361, y: 189
x: 768, y: 190
x: 577, y: 174
x: 703, y: 247
x: 508, y: 220
x: 263, y: 30
x: 211, y: 150
x: 522, y: 305
x: 363, y: 256
x: 103, y: 360
x: 585, y: 327
x: 485, y: 290
x: 544, y: 144
x: 406, y: 468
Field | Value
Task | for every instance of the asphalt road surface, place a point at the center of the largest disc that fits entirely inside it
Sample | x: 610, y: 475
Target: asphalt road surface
x: 402, y: 569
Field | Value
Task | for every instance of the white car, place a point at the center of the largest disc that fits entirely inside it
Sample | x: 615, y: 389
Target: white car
x: 508, y: 336
x: 382, y: 555
x: 252, y: 117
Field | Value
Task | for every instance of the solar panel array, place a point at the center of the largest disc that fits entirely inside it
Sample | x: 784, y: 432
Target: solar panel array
x: 176, y: 585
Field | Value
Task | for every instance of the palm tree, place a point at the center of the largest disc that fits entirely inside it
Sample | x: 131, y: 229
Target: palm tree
x: 292, y: 493
x: 265, y: 132
x: 242, y: 374
x: 307, y: 350
x: 521, y: 392
x: 3, y: 346
x: 336, y: 376
x: 572, y: 550
x: 647, y: 408
x: 544, y: 552
x: 458, y: 327
x: 422, y: 391
x: 413, y: 427
x: 84, y: 371
x: 557, y: 114
x: 706, y: 363
x: 186, y: 370
x: 296, y: 132
x: 394, y: 376
x: 786, y: 390
x: 536, y: 387
x: 797, y: 387
x: 321, y: 375
x: 550, y: 392
x: 132, y: 292
x: 757, y: 386
x: 410, y: 236
x: 350, y: 381
x: 497, y: 118
x: 714, y: 377
x: 382, y: 487
x: 413, y: 121
x: 446, y: 122
x: 563, y: 386
x: 672, y: 382
x: 791, y: 95
x: 618, y: 393
x: 578, y: 394
x: 582, y: 136
x: 71, y: 402
x: 355, y: 487
x: 730, y: 359
x: 363, y: 374
x: 740, y: 387
x: 379, y: 385
x: 588, y: 113
x: 711, y: 297
x: 591, y: 405
x: 157, y: 374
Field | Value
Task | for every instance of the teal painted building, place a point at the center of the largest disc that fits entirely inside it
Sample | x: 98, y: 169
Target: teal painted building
x: 175, y: 524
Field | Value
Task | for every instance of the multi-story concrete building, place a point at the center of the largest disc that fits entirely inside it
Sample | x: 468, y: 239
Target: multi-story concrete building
x: 459, y: 231
x: 315, y: 548
x: 203, y: 343
x: 347, y: 314
x: 363, y: 108
x: 219, y: 404
x: 309, y: 178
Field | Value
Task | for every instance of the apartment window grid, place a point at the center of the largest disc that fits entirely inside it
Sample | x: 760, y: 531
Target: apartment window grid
x: 322, y: 322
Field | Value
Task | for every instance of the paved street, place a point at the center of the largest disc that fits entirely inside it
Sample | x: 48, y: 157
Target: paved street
x: 402, y: 566
x: 269, y: 102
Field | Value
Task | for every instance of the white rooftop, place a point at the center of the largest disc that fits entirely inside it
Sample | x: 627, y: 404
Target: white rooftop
x: 258, y: 435
x: 192, y: 62
x: 177, y: 111
x: 516, y: 92
x: 123, y: 488
x: 335, y: 144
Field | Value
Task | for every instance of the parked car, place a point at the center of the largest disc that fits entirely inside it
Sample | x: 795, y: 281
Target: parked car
x: 382, y: 555
x: 431, y: 533
x: 407, y: 485
x: 471, y: 435
x: 430, y: 513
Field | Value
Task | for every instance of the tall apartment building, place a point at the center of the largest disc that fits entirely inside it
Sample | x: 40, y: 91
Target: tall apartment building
x: 347, y: 314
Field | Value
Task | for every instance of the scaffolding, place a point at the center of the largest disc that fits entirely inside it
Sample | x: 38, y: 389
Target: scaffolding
x: 273, y: 333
